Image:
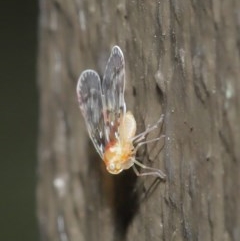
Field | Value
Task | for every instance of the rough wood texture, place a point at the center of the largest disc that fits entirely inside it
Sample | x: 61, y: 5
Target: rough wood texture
x: 182, y: 59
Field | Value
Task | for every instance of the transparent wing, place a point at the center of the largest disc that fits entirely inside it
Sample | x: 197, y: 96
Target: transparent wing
x: 90, y: 102
x: 113, y: 93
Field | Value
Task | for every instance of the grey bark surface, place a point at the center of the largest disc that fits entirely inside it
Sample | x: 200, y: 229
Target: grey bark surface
x: 183, y: 60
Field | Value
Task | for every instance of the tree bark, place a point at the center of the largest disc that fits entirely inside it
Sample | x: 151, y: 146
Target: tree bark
x: 183, y: 60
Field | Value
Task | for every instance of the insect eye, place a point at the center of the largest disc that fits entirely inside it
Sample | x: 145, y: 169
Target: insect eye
x: 112, y: 166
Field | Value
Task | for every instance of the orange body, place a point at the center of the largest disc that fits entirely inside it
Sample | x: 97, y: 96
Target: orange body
x: 119, y: 155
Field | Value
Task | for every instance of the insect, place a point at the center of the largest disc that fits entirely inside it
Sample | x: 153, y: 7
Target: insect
x: 111, y: 128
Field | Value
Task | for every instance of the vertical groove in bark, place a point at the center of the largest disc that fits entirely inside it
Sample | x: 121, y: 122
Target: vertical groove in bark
x: 182, y: 59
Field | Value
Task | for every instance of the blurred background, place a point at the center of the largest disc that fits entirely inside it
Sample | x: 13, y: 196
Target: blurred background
x: 18, y: 113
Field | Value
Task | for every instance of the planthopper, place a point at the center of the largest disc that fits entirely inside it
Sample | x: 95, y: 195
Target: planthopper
x: 111, y: 128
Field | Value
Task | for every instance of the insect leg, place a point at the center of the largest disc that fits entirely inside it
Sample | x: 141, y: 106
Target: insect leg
x: 146, y: 142
x: 149, y: 129
x: 152, y: 171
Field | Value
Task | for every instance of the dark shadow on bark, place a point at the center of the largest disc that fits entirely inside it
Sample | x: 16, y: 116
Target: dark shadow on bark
x: 125, y: 202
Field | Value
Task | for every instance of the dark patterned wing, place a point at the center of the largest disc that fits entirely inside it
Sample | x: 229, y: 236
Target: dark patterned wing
x: 113, y: 86
x: 90, y: 102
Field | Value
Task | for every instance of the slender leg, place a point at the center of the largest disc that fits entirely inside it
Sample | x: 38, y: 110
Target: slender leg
x: 142, y: 135
x: 152, y: 171
x: 146, y: 142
